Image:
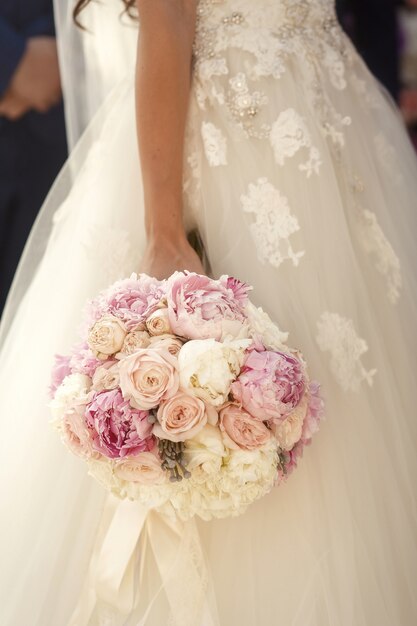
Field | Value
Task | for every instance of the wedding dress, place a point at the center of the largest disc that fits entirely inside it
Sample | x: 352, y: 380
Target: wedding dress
x: 300, y: 179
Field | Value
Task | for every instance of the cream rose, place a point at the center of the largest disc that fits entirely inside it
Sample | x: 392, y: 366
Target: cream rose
x: 148, y: 377
x: 107, y: 377
x: 134, y: 341
x: 289, y: 431
x: 158, y: 322
x: 182, y: 417
x: 169, y: 342
x: 106, y: 337
x: 76, y: 435
x: 205, y: 450
x: 240, y: 430
x: 145, y: 468
x: 208, y: 368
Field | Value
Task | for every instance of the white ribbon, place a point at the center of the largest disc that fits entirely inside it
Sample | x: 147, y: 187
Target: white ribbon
x: 127, y: 533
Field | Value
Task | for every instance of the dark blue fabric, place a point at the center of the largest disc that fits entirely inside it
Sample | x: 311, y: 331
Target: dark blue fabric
x: 32, y: 149
x: 374, y: 32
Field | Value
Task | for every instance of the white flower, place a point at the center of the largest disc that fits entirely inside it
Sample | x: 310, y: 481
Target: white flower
x: 262, y: 326
x: 73, y: 391
x: 205, y: 450
x: 208, y: 368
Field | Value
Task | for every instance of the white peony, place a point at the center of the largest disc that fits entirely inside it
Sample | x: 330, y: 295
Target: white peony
x: 205, y: 450
x: 262, y: 326
x: 208, y: 367
x: 73, y: 390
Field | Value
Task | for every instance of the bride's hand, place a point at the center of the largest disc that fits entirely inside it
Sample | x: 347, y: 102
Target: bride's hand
x: 165, y: 256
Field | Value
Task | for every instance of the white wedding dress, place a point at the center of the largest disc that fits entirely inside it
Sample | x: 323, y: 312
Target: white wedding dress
x: 301, y: 180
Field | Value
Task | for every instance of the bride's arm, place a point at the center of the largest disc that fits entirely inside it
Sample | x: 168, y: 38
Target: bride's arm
x: 163, y: 77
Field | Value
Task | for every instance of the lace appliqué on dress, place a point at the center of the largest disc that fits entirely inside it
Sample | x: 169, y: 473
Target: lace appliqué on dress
x: 215, y: 144
x: 337, y: 335
x: 289, y: 134
x: 244, y: 106
x: 375, y: 243
x: 268, y: 40
x: 273, y: 225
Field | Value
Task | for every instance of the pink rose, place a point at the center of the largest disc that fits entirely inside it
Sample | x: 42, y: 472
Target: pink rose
x: 158, y: 322
x: 119, y: 430
x: 168, y: 342
x: 106, y: 377
x: 145, y: 468
x: 133, y: 299
x: 60, y: 370
x: 182, y: 417
x: 76, y: 434
x: 134, y: 340
x: 149, y: 376
x: 270, y: 385
x: 240, y: 430
x: 202, y: 308
x: 106, y: 337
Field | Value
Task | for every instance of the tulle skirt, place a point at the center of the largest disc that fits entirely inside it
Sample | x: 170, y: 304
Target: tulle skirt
x: 324, y: 226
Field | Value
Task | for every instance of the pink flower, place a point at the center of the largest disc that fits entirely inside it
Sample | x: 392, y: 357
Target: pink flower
x: 240, y: 430
x: 315, y: 412
x: 158, y: 322
x: 149, y: 376
x: 291, y: 460
x: 76, y: 433
x: 133, y: 299
x: 145, y: 468
x: 83, y: 361
x: 119, y: 430
x: 202, y: 308
x: 60, y: 370
x: 288, y: 431
x: 106, y: 337
x: 106, y: 377
x: 270, y: 385
x: 182, y: 417
x: 169, y: 342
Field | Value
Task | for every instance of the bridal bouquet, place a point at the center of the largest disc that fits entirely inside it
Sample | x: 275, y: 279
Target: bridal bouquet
x: 184, y: 395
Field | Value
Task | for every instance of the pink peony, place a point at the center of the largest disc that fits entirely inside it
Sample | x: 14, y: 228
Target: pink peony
x: 60, y: 370
x: 83, y: 361
x: 240, y: 430
x: 133, y: 299
x: 202, y: 308
x: 270, y: 384
x: 119, y: 430
x: 149, y: 376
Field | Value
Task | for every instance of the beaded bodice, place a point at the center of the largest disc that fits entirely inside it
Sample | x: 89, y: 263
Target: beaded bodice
x: 228, y: 21
x: 265, y: 37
